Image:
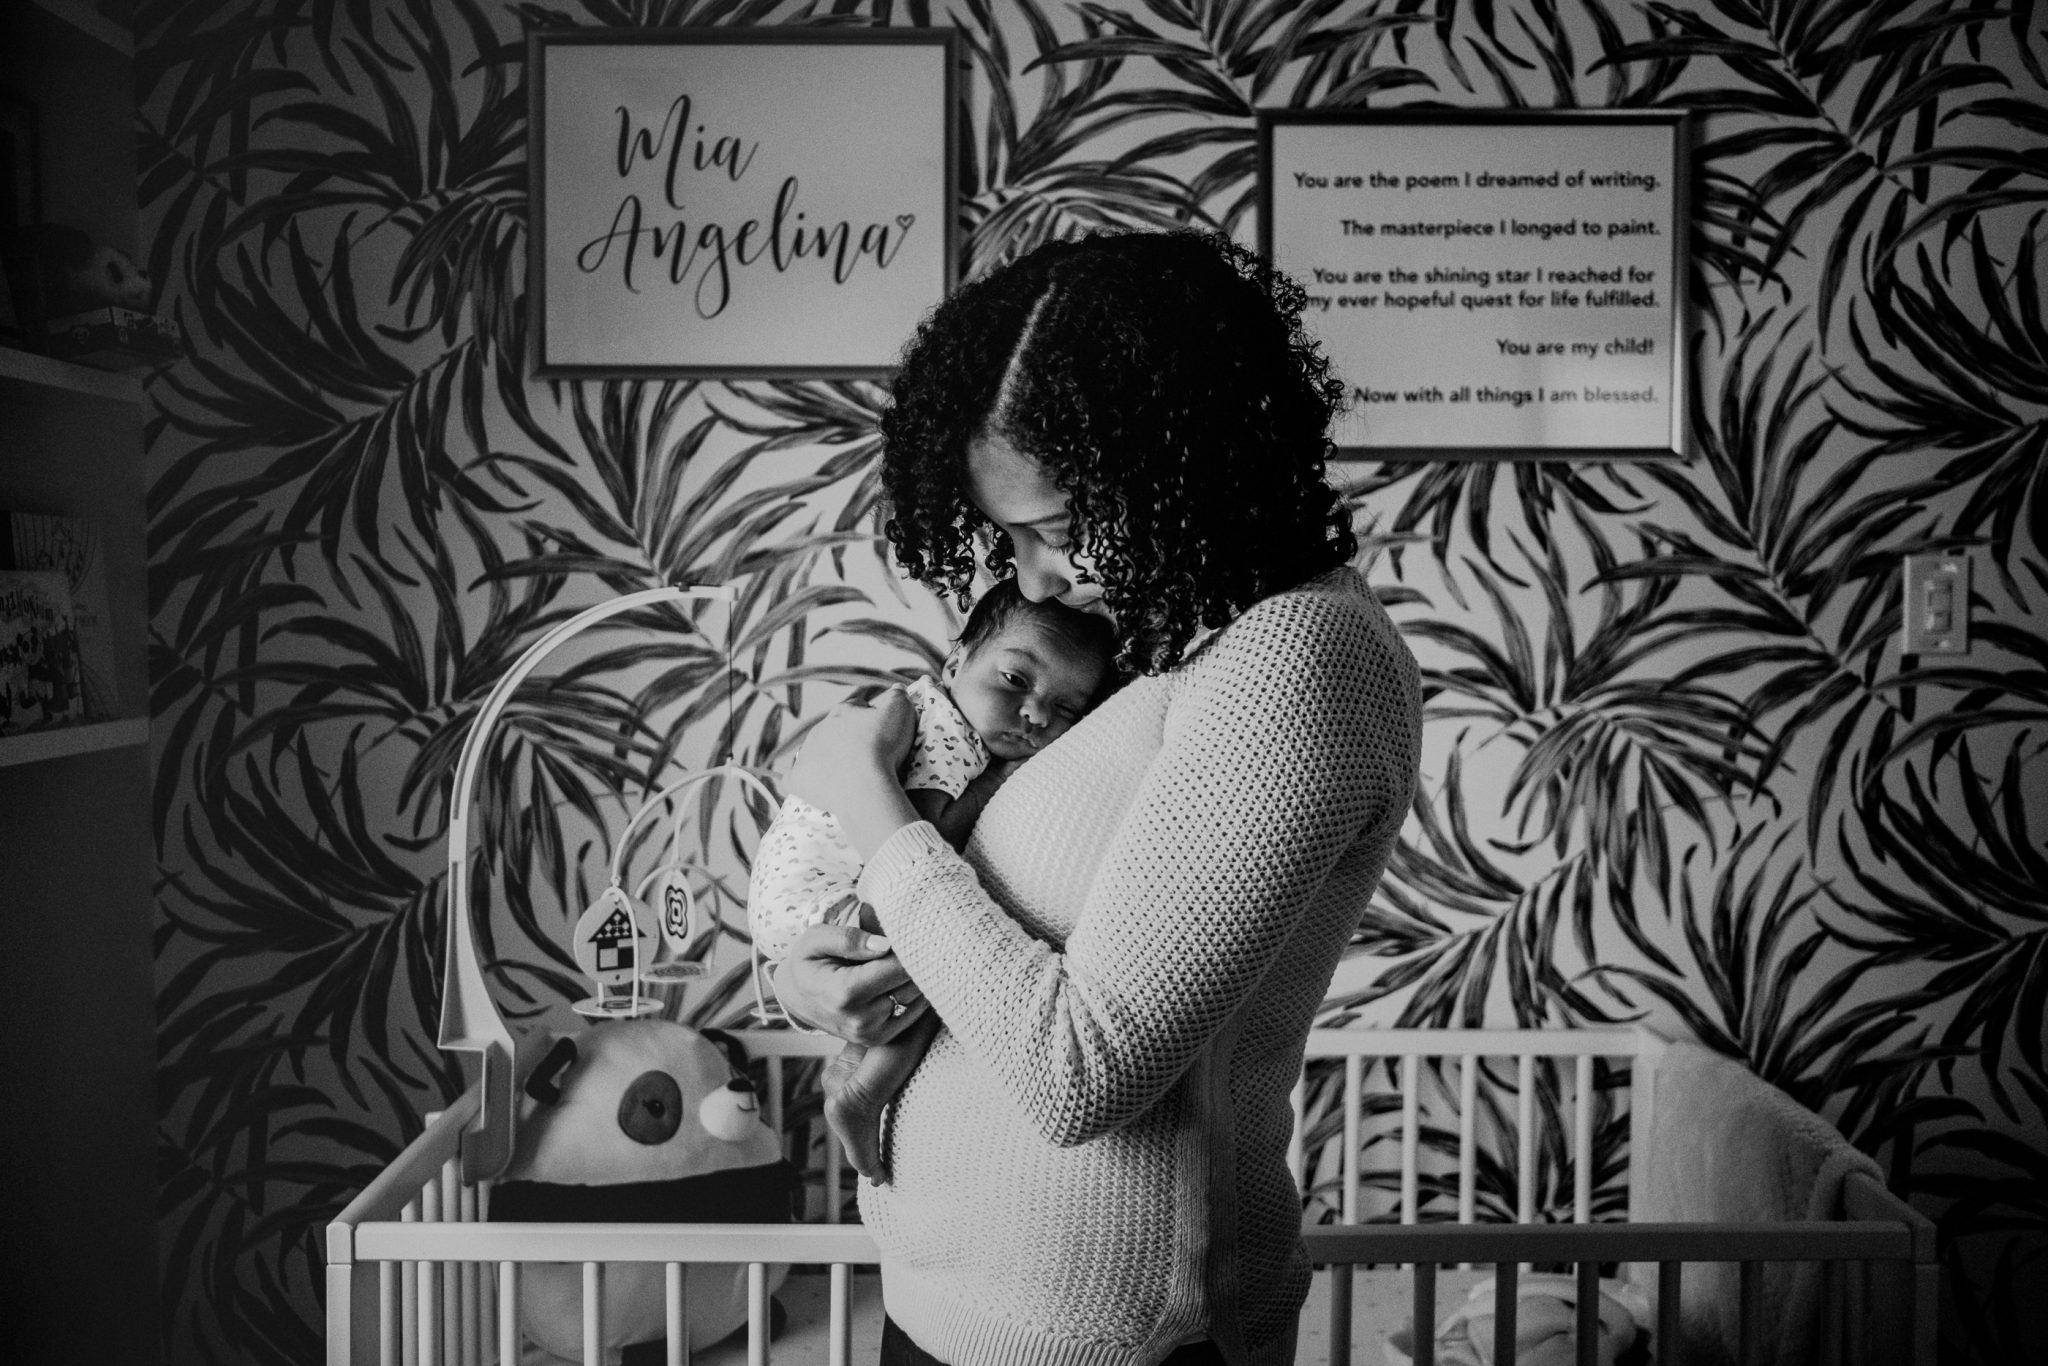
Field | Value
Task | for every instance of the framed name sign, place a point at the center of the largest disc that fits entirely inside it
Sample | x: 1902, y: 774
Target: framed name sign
x: 1489, y: 285
x: 747, y: 203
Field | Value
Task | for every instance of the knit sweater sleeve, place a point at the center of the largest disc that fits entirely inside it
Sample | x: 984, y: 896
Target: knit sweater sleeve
x: 1284, y: 742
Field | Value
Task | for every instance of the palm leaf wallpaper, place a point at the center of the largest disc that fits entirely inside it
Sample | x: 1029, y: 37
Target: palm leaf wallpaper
x: 1677, y: 767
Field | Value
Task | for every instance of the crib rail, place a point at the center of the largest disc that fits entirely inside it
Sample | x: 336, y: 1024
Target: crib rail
x: 1526, y: 1048
x: 1870, y: 1323
x: 415, y: 1276
x: 1865, y: 1258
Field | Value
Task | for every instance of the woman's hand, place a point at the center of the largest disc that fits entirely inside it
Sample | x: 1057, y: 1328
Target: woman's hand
x: 847, y: 982
x: 848, y: 768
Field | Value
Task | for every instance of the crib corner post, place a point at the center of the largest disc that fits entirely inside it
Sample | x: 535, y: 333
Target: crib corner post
x: 340, y: 1325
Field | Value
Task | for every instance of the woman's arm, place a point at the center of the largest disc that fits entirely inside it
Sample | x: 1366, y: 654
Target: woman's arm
x: 1292, y: 737
x: 841, y: 979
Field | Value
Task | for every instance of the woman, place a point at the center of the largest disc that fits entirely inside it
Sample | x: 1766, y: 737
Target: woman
x: 1090, y: 1164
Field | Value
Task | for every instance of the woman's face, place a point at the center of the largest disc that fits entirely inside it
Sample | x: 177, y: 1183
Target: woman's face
x: 1015, y: 492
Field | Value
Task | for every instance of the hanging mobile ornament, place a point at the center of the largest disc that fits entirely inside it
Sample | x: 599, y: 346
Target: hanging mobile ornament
x: 607, y: 949
x: 667, y: 893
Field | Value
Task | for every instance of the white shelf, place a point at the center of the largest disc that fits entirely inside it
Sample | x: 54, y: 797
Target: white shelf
x: 29, y: 368
x: 62, y: 741
x: 92, y: 23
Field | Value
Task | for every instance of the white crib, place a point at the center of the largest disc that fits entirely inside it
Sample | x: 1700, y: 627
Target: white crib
x: 415, y: 1278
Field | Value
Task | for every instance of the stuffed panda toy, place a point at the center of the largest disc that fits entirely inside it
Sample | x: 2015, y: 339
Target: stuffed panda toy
x: 641, y: 1121
x: 57, y: 269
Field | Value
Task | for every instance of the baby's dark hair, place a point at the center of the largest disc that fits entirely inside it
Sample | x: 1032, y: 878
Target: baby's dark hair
x: 1005, y: 602
x: 1164, y: 382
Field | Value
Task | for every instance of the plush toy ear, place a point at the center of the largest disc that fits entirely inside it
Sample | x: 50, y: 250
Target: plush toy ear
x: 544, y: 1083
x: 735, y: 1051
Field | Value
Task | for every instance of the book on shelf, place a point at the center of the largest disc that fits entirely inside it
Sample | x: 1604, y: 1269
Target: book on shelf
x: 116, y: 337
x: 74, y: 547
x: 38, y: 651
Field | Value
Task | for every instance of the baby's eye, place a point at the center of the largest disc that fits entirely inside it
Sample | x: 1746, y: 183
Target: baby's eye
x: 1015, y: 680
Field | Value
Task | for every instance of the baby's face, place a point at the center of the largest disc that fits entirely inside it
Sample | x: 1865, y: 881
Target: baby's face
x: 1022, y: 688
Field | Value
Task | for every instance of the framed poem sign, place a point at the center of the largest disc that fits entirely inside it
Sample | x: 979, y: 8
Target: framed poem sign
x: 738, y: 202
x: 1489, y: 285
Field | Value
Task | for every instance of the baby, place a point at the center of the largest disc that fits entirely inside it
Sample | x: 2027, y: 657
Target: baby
x: 1020, y: 675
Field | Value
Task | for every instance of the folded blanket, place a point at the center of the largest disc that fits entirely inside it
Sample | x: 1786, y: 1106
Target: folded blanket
x: 1727, y: 1147
x: 1546, y: 1324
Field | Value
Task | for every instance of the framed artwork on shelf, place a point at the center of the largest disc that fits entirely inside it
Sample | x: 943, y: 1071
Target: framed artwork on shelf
x: 21, y: 204
x: 1489, y: 285
x: 745, y: 203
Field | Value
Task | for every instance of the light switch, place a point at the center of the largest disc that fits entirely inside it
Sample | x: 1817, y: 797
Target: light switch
x: 1937, y: 604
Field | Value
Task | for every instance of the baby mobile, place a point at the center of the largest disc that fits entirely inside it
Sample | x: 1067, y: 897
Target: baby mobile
x: 611, y: 939
x: 609, y: 935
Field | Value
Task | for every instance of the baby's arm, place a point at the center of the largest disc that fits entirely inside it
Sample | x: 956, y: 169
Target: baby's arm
x: 954, y: 817
x: 934, y: 806
x: 860, y: 1082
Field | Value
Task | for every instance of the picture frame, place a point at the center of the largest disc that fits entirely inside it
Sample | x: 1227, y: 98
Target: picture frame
x: 1490, y: 284
x: 21, y: 201
x: 739, y: 202
x: 21, y: 191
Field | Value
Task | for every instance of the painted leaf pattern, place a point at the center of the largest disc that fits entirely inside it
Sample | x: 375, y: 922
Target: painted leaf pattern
x: 1677, y: 767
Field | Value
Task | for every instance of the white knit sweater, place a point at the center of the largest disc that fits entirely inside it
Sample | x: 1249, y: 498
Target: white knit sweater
x: 1090, y: 1165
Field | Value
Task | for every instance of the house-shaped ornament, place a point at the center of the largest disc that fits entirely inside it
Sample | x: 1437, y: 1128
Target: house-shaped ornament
x: 607, y: 944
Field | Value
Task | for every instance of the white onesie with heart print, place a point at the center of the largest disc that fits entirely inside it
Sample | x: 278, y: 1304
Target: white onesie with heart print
x: 805, y: 871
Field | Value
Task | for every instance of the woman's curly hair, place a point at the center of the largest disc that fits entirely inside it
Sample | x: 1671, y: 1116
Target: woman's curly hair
x: 1164, y: 382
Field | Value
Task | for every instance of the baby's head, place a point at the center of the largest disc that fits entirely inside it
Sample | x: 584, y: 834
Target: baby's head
x: 1024, y: 671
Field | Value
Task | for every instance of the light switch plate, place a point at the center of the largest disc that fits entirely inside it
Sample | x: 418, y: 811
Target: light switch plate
x: 1937, y: 604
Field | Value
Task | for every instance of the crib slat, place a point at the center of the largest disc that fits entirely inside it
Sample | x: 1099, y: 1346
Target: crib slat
x: 1525, y: 1141
x: 508, y: 1313
x: 1834, y: 1323
x: 1506, y: 1300
x: 430, y: 1281
x: 1468, y: 1141
x: 451, y: 1272
x: 1588, y: 1325
x: 593, y: 1314
x: 1669, y: 1275
x: 1750, y: 1287
x: 1858, y: 1276
x: 1354, y: 1073
x: 430, y: 1314
x: 487, y: 1280
x: 1582, y: 1141
x: 1340, y: 1315
x: 1411, y: 1134
x: 832, y: 1162
x: 387, y: 1314
x: 757, y: 1314
x: 409, y: 1296
x: 1424, y: 1313
x: 676, y: 1288
x: 839, y: 1342
x: 772, y: 1108
x: 470, y: 1325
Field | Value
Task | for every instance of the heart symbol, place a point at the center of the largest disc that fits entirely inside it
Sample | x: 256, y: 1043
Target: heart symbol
x: 904, y: 220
